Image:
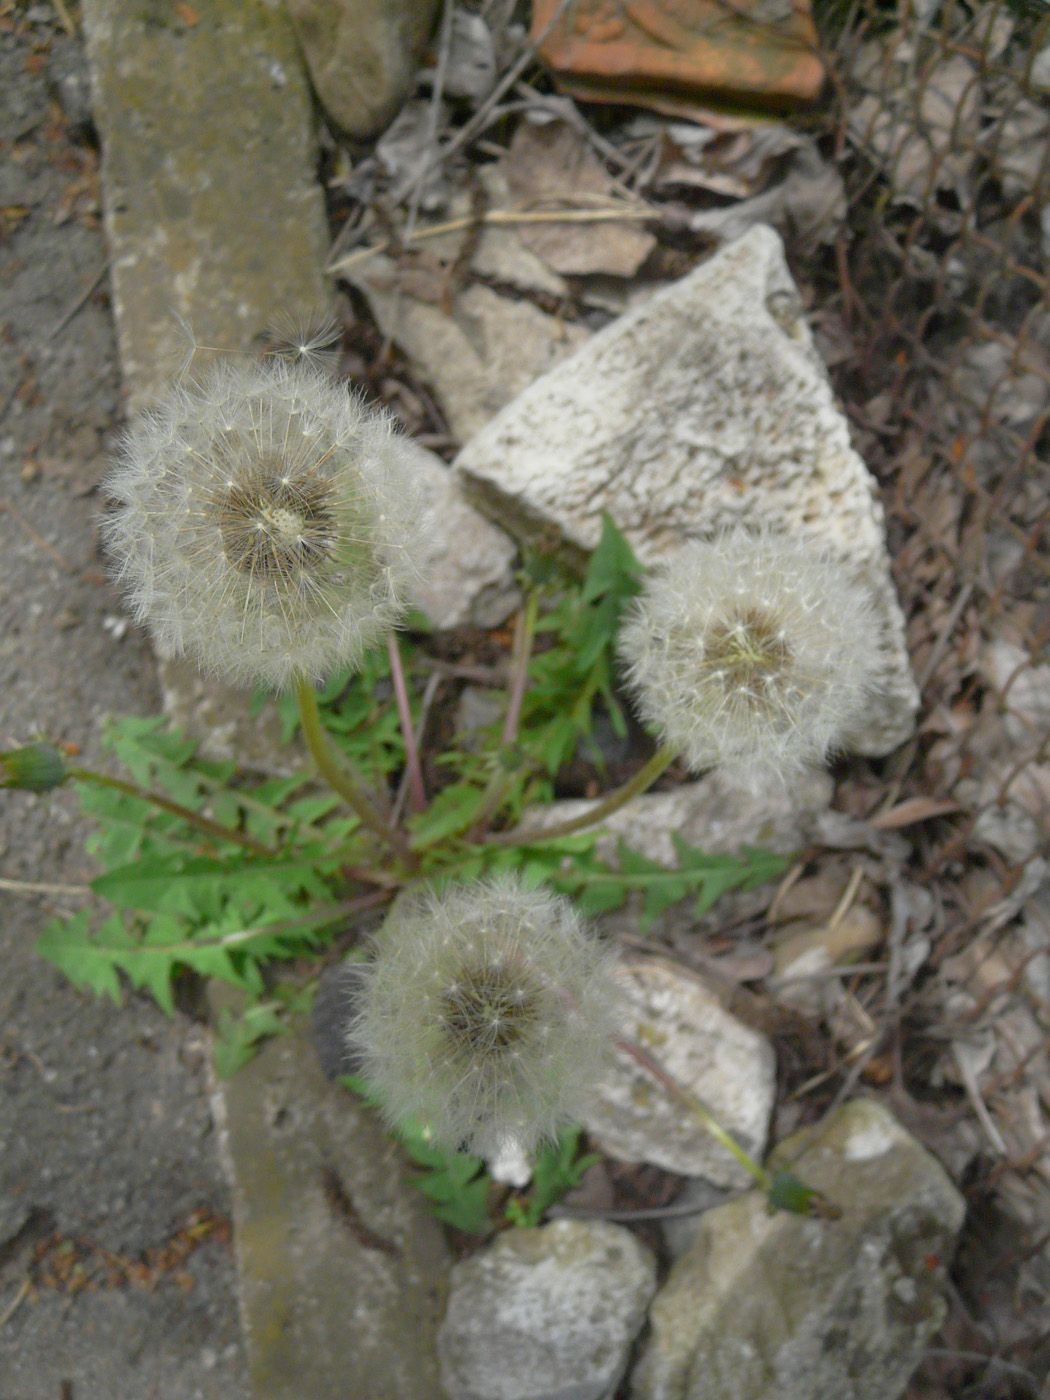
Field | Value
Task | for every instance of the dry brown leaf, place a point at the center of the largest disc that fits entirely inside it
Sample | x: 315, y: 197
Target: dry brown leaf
x: 551, y: 167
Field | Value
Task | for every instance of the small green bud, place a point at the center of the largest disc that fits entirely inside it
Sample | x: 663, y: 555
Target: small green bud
x: 786, y: 1192
x: 33, y: 767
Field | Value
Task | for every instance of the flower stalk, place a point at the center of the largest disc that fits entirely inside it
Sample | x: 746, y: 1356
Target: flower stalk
x: 215, y: 830
x: 783, y: 1190
x: 339, y: 775
x: 417, y: 796
x: 641, y: 782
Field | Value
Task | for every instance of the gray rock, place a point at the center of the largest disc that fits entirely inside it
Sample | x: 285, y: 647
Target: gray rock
x: 731, y: 1068
x: 468, y: 574
x: 546, y: 1314
x: 477, y: 359
x: 706, y: 406
x: 341, y: 1264
x: 212, y: 209
x: 780, y: 1307
x: 362, y: 56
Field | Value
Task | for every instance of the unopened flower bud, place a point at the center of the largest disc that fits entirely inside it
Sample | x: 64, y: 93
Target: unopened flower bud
x: 33, y: 767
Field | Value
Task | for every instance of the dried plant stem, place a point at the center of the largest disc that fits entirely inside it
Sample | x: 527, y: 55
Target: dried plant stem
x: 643, y: 779
x: 176, y: 809
x: 690, y: 1102
x: 338, y: 775
x: 417, y: 797
x: 618, y: 212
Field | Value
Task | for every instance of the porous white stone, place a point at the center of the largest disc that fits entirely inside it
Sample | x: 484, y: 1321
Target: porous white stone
x: 546, y: 1314
x: 705, y: 407
x: 728, y: 1066
x: 467, y: 573
x: 478, y: 358
x: 785, y: 1307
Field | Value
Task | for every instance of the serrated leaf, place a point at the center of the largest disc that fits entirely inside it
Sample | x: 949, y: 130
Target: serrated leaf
x: 613, y: 567
x: 236, y: 1038
x: 450, y: 813
x: 86, y: 961
x: 174, y: 883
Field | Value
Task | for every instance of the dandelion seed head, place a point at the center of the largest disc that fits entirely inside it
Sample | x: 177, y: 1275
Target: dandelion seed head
x: 485, y: 1015
x: 269, y: 524
x: 752, y: 652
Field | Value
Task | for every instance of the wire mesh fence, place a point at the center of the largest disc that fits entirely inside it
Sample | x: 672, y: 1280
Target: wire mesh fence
x: 941, y: 122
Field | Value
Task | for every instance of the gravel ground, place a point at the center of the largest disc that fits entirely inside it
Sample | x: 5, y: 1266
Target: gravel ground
x: 107, y: 1156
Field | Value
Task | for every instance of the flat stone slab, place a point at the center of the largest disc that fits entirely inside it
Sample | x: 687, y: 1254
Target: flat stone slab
x: 706, y: 407
x: 730, y: 1067
x: 342, y: 1266
x: 213, y: 212
x: 214, y: 215
x: 547, y: 1314
x: 781, y: 1307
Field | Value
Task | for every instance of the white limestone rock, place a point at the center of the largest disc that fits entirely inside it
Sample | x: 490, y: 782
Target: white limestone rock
x: 785, y: 1307
x: 467, y: 575
x: 547, y: 1314
x: 707, y: 406
x: 476, y: 359
x: 731, y: 1068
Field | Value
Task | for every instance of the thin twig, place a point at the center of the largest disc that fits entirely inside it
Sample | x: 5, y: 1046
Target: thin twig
x: 480, y: 117
x: 848, y: 896
x: 509, y: 217
x: 973, y: 1092
x: 65, y: 319
x: 16, y: 1302
x: 946, y: 630
x: 440, y: 73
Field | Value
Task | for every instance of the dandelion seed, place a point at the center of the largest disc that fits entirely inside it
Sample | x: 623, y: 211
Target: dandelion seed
x: 485, y: 1015
x: 752, y: 652
x: 311, y: 339
x: 269, y: 524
